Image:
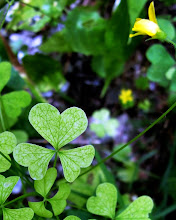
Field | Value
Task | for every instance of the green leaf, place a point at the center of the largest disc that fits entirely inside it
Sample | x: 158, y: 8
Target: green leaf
x: 85, y: 31
x: 130, y: 173
x: 7, y: 142
x: 48, y: 74
x: 58, y: 202
x: 56, y: 43
x: 4, y: 164
x: 44, y: 185
x: 104, y: 203
x: 160, y: 64
x: 34, y: 157
x: 22, y: 17
x: 167, y: 27
x: 16, y: 214
x: 84, y: 186
x: 55, y: 128
x: 139, y: 209
x: 103, y: 124
x: 157, y: 54
x: 14, y: 102
x: 6, y: 187
x: 16, y: 82
x: 40, y: 210
x: 116, y: 39
x: 134, y: 9
x: 73, y: 123
x: 73, y: 159
x: 123, y: 155
x: 5, y: 72
x: 21, y: 136
x: 72, y: 217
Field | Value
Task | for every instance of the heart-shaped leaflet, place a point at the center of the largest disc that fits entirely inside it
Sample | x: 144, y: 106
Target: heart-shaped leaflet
x: 104, y: 203
x: 58, y: 129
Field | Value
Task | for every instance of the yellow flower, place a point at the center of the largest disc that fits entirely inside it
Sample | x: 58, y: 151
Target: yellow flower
x: 148, y: 26
x: 126, y: 96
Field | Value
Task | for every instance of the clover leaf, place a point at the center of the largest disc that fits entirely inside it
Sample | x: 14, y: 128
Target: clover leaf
x: 72, y: 160
x: 5, y: 71
x: 58, y: 129
x: 40, y: 210
x: 58, y: 202
x: 104, y: 204
x: 16, y: 214
x: 14, y: 102
x: 72, y: 217
x: 6, y: 187
x: 44, y: 185
x: 7, y: 143
x: 139, y: 209
x: 34, y: 157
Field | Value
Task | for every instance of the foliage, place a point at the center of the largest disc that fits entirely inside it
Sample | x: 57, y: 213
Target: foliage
x: 104, y: 204
x: 56, y: 54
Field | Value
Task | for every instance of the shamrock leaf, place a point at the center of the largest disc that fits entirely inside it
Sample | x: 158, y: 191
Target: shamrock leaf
x: 6, y: 187
x: 139, y: 209
x: 44, y: 185
x: 34, y: 157
x: 72, y: 160
x: 7, y: 143
x: 72, y: 217
x: 16, y: 214
x: 55, y: 128
x: 5, y: 72
x: 4, y: 163
x: 58, y: 202
x: 104, y: 203
x: 58, y: 129
x: 14, y: 101
x: 40, y: 210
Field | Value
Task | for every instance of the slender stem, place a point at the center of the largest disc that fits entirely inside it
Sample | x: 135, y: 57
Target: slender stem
x: 55, y: 160
x: 9, y: 4
x: 172, y: 42
x: 5, y: 157
x: 57, y: 217
x: 131, y: 141
x: 19, y: 171
x: 20, y: 197
x: 1, y: 115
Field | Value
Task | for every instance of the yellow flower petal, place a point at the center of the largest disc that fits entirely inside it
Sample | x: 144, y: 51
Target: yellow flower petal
x: 151, y: 13
x: 144, y: 26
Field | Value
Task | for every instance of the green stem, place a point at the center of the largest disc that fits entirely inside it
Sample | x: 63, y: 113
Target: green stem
x: 131, y: 141
x: 19, y: 171
x: 21, y: 197
x: 55, y: 160
x: 172, y: 42
x: 34, y: 90
x: 5, y: 157
x: 9, y: 4
x: 1, y: 114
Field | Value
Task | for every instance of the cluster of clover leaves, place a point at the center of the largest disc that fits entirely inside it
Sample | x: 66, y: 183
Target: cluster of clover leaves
x: 58, y: 129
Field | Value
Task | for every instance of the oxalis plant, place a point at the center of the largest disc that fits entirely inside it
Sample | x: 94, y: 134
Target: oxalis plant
x: 59, y: 130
